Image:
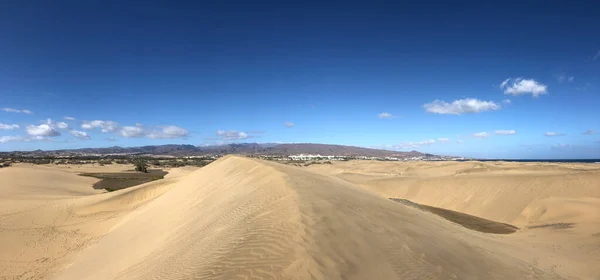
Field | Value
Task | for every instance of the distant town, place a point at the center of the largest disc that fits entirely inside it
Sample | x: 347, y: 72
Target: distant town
x: 318, y: 157
x: 182, y: 155
x: 177, y: 161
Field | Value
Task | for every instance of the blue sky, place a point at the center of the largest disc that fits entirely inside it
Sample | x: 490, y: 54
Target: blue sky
x: 509, y: 80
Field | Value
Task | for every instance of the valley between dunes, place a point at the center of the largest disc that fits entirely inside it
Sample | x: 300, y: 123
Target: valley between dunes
x: 242, y: 218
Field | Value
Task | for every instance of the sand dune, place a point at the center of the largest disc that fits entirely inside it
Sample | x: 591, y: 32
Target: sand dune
x: 503, y: 191
x: 555, y: 205
x: 241, y: 218
x: 48, y: 213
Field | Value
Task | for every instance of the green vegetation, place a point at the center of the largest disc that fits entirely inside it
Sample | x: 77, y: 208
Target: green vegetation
x: 141, y: 166
x: 105, y: 161
x: 110, y: 159
x: 117, y: 181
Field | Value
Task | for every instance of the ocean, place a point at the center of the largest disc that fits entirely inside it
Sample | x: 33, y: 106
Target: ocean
x: 547, y: 160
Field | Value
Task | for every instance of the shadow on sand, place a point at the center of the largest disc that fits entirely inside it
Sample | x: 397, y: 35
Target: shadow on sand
x: 122, y: 180
x: 468, y: 221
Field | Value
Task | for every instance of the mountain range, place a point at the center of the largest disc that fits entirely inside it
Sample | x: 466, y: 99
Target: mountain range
x: 238, y: 148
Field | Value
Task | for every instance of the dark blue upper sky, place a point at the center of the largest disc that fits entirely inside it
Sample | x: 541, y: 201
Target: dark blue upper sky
x: 503, y: 80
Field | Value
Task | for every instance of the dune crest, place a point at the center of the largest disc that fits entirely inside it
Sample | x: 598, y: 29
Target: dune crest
x: 242, y: 218
x: 239, y: 218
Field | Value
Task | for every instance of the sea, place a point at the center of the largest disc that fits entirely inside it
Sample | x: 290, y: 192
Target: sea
x: 547, y: 160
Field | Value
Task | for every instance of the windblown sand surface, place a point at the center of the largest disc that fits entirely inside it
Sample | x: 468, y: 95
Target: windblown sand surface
x: 240, y: 218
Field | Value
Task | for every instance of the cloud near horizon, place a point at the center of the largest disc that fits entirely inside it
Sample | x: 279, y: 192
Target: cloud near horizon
x: 168, y: 132
x: 56, y: 125
x: 385, y: 115
x: 232, y: 135
x: 137, y: 131
x: 7, y: 139
x: 82, y: 135
x: 462, y: 106
x: 413, y: 145
x: 18, y: 138
x: 13, y: 110
x: 520, y: 86
x: 105, y: 126
x: 44, y: 130
x: 49, y: 129
x: 4, y: 126
x: 552, y: 134
x: 505, y: 132
x: 481, y: 135
x: 589, y: 132
x: 289, y: 124
x: 132, y: 131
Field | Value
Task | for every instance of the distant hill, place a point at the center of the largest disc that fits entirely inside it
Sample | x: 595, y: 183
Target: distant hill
x: 334, y: 150
x: 238, y: 148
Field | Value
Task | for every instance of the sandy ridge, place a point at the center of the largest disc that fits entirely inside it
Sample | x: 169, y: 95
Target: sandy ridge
x: 241, y: 218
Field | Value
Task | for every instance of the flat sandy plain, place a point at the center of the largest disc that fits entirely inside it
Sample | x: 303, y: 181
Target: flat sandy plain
x: 241, y: 218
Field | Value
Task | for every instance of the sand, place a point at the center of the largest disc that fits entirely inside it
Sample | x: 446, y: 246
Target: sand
x: 241, y: 218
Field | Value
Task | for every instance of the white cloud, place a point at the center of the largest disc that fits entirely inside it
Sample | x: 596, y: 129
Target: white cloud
x: 521, y: 86
x: 62, y: 125
x: 589, y: 132
x: 110, y: 139
x: 6, y: 139
x: 80, y: 134
x: 232, y: 135
x: 412, y: 145
x: 505, y: 132
x: 70, y: 118
x: 4, y: 126
x: 427, y: 142
x: 481, y: 135
x: 459, y: 141
x: 289, y: 124
x: 462, y: 106
x: 596, y: 56
x: 443, y: 140
x: 45, y: 130
x: 105, y: 126
x: 506, y: 101
x: 55, y: 125
x: 385, y: 115
x: 552, y: 134
x: 12, y: 110
x: 137, y: 131
x: 132, y: 131
x: 168, y: 132
x: 561, y: 146
x: 561, y: 78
